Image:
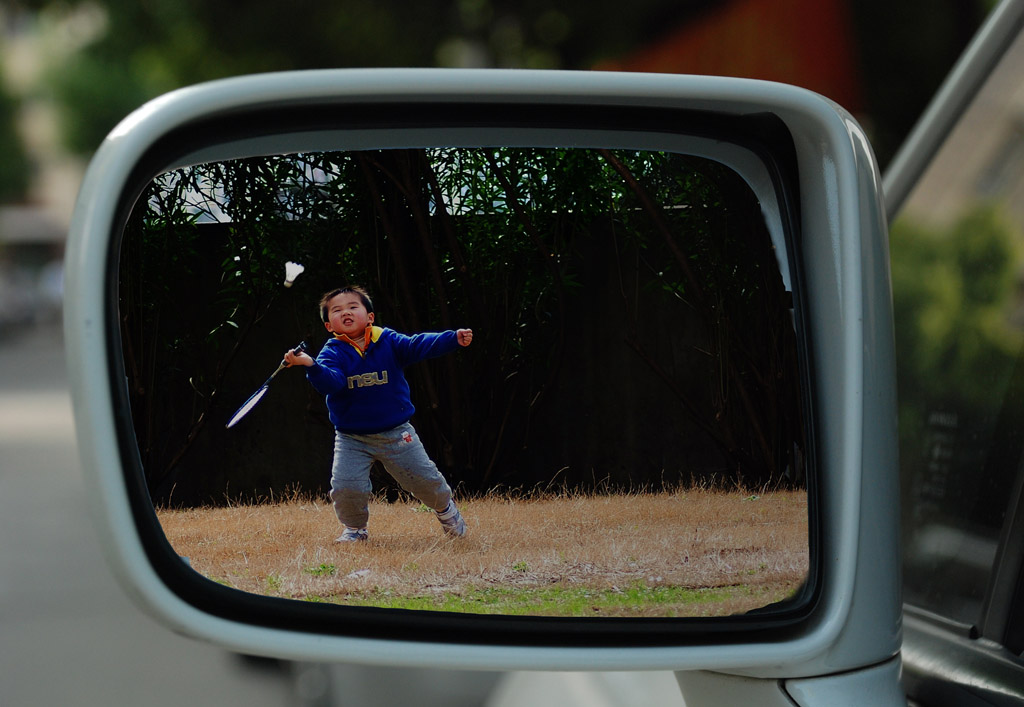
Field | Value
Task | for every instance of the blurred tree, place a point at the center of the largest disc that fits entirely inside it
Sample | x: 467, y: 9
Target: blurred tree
x: 960, y: 369
x: 152, y: 47
x: 903, y: 50
x: 14, y: 167
x: 952, y: 293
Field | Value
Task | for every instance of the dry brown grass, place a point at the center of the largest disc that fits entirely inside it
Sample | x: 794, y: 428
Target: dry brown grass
x: 754, y: 545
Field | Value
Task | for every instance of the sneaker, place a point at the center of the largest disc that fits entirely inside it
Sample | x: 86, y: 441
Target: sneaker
x: 352, y: 535
x: 451, y: 521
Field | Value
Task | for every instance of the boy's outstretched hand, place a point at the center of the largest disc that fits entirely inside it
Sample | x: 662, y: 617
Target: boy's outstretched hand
x: 465, y: 336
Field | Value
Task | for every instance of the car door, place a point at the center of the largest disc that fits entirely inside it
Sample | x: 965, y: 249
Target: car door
x: 957, y: 240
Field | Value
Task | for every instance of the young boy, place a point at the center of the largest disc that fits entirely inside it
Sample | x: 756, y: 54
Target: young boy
x: 360, y: 371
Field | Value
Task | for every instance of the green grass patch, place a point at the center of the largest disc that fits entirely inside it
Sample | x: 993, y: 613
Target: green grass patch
x: 322, y: 570
x: 638, y: 599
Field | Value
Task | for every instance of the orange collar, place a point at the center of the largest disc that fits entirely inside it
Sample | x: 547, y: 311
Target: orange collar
x: 361, y: 345
x: 371, y: 334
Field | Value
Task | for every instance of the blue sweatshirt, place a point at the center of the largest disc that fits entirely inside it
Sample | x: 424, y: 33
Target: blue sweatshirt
x: 366, y: 390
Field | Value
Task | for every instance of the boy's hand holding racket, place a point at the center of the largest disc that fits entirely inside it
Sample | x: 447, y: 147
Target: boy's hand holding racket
x: 298, y: 357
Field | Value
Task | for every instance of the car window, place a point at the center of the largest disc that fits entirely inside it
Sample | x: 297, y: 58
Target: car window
x: 958, y: 290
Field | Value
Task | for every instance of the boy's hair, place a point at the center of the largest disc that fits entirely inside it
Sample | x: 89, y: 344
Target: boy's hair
x: 354, y: 289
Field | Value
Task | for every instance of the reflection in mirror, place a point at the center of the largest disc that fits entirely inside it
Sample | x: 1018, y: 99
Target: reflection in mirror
x: 625, y: 435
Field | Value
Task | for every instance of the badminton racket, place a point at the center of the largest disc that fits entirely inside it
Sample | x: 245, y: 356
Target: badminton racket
x: 258, y: 395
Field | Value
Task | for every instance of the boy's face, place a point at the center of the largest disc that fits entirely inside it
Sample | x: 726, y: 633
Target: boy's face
x: 346, y: 314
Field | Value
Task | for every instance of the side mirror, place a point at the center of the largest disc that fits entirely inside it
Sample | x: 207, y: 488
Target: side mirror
x: 677, y: 285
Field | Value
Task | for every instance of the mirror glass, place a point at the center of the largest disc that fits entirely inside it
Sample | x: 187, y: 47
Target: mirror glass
x: 625, y: 435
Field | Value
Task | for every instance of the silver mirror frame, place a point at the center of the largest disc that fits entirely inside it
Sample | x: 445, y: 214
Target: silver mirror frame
x: 843, y: 255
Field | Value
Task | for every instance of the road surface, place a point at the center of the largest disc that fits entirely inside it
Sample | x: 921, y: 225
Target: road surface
x: 70, y: 636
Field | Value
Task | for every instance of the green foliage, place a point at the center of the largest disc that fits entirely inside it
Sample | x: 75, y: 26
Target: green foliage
x: 568, y: 263
x: 960, y: 372
x: 151, y: 47
x: 154, y: 46
x: 94, y: 93
x: 952, y: 295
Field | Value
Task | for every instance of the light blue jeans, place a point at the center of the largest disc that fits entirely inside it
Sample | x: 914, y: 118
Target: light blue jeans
x: 401, y: 453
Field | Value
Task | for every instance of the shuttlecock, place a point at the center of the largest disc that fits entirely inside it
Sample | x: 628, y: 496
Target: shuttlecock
x: 291, y: 271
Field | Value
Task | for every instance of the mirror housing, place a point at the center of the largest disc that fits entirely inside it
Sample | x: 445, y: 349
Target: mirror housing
x: 850, y: 620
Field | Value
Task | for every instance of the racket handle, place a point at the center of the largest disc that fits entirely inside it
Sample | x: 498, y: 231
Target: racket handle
x: 301, y: 348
